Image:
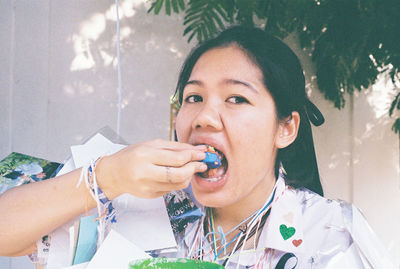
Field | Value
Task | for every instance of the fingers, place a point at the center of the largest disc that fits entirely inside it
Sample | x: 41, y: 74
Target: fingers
x: 179, y: 175
x: 169, y: 153
x: 177, y: 158
x: 164, y: 182
x: 173, y: 145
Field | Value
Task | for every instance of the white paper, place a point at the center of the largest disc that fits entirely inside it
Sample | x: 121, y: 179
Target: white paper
x: 144, y: 222
x: 67, y: 167
x: 97, y: 146
x: 73, y: 238
x: 78, y: 266
x: 61, y: 252
x: 59, y: 256
x: 116, y: 252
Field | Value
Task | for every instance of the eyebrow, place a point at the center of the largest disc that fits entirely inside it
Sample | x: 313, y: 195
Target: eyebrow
x: 239, y: 82
x: 226, y: 81
x: 194, y: 82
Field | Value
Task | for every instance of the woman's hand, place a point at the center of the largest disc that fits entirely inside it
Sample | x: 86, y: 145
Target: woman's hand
x: 150, y: 169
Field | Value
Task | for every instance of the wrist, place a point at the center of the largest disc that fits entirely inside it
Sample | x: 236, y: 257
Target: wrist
x: 105, y: 177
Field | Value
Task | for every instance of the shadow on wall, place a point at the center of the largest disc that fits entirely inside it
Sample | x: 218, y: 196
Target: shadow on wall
x: 83, y: 76
x: 358, y: 153
x: 376, y: 161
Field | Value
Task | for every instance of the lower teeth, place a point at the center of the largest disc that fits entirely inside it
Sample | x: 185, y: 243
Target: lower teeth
x: 213, y: 179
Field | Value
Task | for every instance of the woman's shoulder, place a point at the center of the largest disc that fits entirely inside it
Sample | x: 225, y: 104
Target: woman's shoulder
x: 326, y: 222
x: 329, y: 229
x: 303, y: 221
x: 312, y: 209
x: 313, y: 205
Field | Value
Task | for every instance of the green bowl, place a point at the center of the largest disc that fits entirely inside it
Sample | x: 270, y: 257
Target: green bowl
x: 172, y: 263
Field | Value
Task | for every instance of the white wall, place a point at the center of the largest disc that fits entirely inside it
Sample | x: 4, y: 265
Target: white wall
x: 58, y: 85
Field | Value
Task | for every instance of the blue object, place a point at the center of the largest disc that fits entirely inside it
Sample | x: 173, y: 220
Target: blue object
x: 87, y: 239
x: 212, y: 160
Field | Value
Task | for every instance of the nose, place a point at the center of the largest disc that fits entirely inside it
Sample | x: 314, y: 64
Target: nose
x: 208, y: 118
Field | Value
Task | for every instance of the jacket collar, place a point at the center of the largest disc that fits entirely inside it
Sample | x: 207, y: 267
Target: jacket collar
x: 283, y: 229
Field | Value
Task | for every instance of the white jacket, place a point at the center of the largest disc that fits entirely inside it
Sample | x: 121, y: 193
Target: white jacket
x: 305, y: 230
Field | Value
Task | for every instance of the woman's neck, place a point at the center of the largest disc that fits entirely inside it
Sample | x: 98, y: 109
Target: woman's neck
x: 231, y: 216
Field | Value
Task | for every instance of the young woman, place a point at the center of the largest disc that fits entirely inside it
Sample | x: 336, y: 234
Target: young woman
x: 242, y: 93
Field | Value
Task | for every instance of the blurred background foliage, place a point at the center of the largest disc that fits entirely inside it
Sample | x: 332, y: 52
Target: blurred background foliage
x: 351, y: 41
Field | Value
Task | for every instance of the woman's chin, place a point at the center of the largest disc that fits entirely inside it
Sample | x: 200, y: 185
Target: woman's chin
x: 207, y: 190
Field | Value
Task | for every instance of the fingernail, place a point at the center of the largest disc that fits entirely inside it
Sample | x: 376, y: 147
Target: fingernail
x: 200, y: 155
x: 201, y: 147
x: 203, y: 166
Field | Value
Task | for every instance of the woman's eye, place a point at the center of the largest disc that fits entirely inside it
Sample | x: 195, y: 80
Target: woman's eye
x: 237, y: 100
x: 193, y: 99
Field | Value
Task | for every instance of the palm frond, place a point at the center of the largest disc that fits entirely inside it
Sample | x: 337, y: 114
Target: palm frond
x: 396, y: 126
x: 395, y: 104
x: 203, y: 19
x: 342, y: 35
x: 175, y: 5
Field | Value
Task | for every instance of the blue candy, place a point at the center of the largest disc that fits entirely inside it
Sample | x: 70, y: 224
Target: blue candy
x: 212, y: 160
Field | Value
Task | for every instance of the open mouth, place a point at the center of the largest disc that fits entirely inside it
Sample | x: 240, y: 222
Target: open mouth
x: 215, y: 174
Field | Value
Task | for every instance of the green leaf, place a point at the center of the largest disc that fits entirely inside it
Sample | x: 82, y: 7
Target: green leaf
x: 192, y: 13
x: 217, y: 19
x: 175, y: 6
x: 228, y: 8
x: 192, y: 27
x: 157, y: 5
x: 203, y: 33
x: 191, y: 36
x: 395, y: 104
x: 396, y: 126
x: 187, y: 30
x: 195, y: 4
x: 192, y: 18
x: 222, y: 12
x: 168, y: 7
x: 200, y: 18
x: 199, y: 35
x: 210, y: 25
x: 181, y: 4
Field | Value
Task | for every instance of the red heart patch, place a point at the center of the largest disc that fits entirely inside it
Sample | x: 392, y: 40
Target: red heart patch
x: 297, y: 243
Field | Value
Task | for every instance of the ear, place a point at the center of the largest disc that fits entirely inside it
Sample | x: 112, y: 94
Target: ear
x: 287, y: 130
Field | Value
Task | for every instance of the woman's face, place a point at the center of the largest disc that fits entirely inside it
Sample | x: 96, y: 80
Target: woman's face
x: 226, y: 105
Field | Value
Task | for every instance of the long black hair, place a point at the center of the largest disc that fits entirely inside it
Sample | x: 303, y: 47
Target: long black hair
x: 284, y: 79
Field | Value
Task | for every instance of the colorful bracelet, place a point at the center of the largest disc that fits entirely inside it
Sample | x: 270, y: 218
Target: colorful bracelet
x: 108, y: 209
x: 105, y: 210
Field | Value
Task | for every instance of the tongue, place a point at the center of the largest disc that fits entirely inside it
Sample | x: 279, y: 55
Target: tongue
x: 214, y: 173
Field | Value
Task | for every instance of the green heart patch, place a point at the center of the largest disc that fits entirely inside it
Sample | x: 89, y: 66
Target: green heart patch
x: 286, y: 232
